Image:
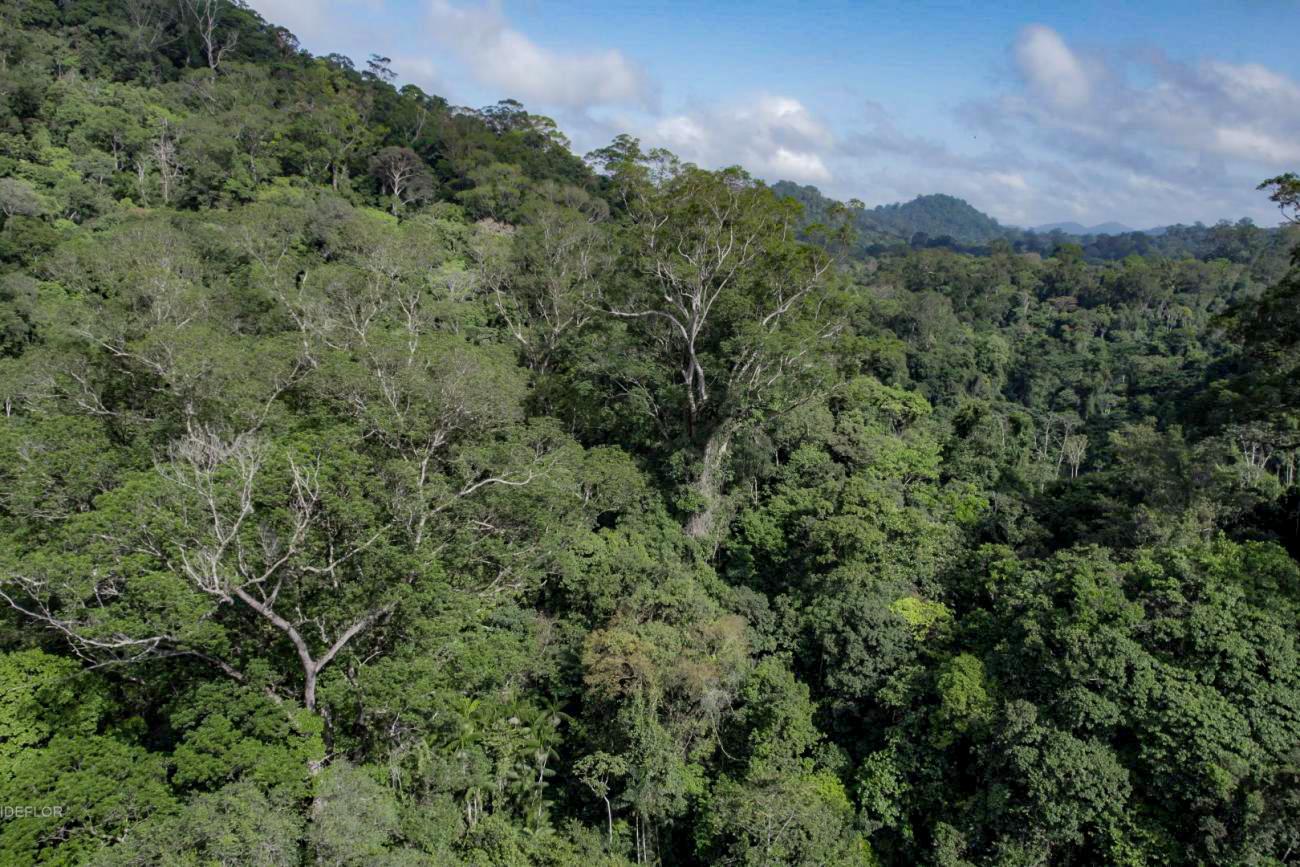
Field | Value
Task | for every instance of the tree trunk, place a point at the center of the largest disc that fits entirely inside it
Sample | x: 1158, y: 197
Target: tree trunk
x: 309, y: 686
x: 708, y: 483
x: 609, y: 818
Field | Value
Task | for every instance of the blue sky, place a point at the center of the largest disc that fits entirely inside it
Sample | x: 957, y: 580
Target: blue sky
x: 1142, y: 112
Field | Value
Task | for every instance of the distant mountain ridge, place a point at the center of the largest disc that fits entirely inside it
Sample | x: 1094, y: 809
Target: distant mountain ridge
x: 932, y: 216
x: 946, y: 221
x: 939, y: 215
x: 1072, y: 228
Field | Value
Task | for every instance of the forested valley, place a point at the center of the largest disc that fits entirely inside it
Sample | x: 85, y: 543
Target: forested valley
x: 381, y: 483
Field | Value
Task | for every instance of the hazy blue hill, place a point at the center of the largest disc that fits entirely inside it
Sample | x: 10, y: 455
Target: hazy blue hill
x: 1072, y: 228
x: 1069, y: 228
x: 816, y: 206
x: 947, y: 221
x: 938, y: 216
x: 933, y: 216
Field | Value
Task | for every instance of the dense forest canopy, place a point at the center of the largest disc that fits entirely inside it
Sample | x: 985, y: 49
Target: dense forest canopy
x: 382, y: 483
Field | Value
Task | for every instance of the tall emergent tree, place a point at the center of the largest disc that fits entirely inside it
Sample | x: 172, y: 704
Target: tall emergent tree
x: 722, y: 293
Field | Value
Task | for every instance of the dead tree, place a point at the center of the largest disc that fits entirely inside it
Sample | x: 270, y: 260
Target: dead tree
x: 205, y: 17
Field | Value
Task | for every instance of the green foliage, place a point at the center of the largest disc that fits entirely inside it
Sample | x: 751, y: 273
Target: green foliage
x: 964, y: 701
x: 86, y: 791
x: 230, y: 734
x: 40, y: 696
x: 381, y: 483
x: 355, y: 819
x: 236, y: 824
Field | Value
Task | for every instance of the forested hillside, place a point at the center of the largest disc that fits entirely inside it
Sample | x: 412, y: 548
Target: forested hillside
x: 381, y: 483
x: 945, y: 222
x: 917, y: 222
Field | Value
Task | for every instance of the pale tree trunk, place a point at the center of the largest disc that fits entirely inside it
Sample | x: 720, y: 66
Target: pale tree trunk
x: 708, y: 482
x: 609, y: 819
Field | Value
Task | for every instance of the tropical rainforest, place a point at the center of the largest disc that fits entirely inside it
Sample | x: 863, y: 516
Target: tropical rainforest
x: 383, y: 484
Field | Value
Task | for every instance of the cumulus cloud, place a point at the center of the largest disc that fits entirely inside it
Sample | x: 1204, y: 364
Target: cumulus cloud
x: 1051, y: 67
x: 1153, y: 138
x: 1178, y: 113
x: 502, y: 57
x: 775, y: 137
x: 1255, y: 145
x: 1074, y: 134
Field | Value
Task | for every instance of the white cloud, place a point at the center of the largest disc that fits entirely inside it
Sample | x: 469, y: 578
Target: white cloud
x: 683, y: 133
x: 1051, y: 67
x: 1251, y: 144
x: 1011, y: 180
x: 775, y: 137
x: 1166, y: 117
x: 1251, y: 80
x: 504, y: 58
x: 1137, y: 136
x: 795, y: 166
